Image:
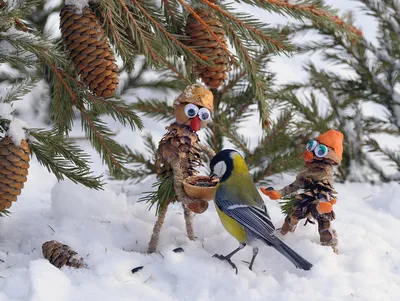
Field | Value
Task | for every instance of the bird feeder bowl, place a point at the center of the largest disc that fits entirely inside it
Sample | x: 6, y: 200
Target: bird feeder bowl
x: 200, y: 187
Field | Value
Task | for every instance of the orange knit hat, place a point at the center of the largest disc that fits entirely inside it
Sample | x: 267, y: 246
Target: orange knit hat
x: 334, y: 140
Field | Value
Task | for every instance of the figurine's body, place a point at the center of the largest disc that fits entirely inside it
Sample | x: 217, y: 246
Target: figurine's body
x: 178, y: 155
x: 316, y: 181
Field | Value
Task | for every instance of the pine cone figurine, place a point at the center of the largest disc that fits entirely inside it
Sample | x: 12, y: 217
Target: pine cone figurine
x: 14, y: 164
x: 89, y: 49
x: 207, y: 45
x: 59, y: 255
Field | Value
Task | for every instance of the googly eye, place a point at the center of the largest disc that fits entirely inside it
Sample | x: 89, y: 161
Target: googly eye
x: 311, y: 145
x: 204, y: 114
x: 321, y: 151
x: 191, y: 110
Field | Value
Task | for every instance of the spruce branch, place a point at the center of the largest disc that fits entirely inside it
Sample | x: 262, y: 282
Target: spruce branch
x: 173, y: 16
x: 62, y: 157
x: 248, y: 26
x: 17, y: 91
x: 169, y: 37
x: 321, y: 15
x: 160, y: 110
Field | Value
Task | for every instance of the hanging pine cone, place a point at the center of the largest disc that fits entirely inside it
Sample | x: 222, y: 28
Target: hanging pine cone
x: 59, y: 255
x: 14, y: 164
x: 89, y: 49
x: 206, y: 44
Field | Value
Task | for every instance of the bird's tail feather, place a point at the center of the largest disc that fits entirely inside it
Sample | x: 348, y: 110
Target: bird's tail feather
x: 294, y: 257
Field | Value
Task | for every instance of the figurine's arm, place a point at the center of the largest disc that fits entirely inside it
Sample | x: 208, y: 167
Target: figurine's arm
x: 289, y: 189
x: 208, y: 150
x: 178, y: 183
x: 293, y: 187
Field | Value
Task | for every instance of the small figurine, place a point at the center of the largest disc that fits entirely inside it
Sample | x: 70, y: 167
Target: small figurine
x: 318, y: 196
x: 178, y: 154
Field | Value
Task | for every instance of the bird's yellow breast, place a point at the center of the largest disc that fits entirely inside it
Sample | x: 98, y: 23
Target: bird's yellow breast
x: 240, y: 166
x: 233, y: 227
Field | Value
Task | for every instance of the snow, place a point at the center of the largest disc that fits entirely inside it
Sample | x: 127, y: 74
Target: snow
x: 84, y: 203
x: 5, y: 108
x: 44, y: 275
x: 110, y: 230
x: 16, y: 131
x: 78, y: 3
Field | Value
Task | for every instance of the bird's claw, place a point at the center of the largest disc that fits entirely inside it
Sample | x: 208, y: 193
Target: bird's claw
x: 221, y: 257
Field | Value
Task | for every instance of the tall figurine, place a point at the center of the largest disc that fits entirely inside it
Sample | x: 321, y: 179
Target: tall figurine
x: 318, y: 196
x: 178, y: 154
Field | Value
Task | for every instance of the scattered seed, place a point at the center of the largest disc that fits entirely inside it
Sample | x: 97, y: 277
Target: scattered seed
x: 137, y: 269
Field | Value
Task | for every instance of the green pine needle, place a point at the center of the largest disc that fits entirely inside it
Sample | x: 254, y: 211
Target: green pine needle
x: 164, y: 194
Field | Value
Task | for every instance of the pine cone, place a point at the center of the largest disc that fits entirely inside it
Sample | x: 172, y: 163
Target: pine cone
x: 206, y: 44
x: 14, y: 164
x: 180, y: 141
x: 89, y: 49
x: 60, y: 255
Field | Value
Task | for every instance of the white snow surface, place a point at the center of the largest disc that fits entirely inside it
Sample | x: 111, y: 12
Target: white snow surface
x: 110, y: 229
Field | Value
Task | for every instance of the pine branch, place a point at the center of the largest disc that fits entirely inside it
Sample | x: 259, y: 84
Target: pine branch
x: 322, y: 16
x: 118, y: 110
x: 62, y: 157
x: 160, y: 110
x: 167, y: 37
x: 100, y: 135
x: 16, y: 92
x: 140, y: 165
x: 173, y: 16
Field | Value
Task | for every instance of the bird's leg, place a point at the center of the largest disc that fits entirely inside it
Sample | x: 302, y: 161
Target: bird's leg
x: 255, y: 252
x: 228, y: 257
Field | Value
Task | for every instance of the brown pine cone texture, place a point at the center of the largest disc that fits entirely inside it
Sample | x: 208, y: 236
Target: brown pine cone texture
x: 59, y: 255
x: 179, y: 141
x: 203, y: 42
x: 89, y: 49
x: 14, y: 164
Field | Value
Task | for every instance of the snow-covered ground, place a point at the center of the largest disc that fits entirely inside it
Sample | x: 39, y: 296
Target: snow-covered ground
x: 110, y: 230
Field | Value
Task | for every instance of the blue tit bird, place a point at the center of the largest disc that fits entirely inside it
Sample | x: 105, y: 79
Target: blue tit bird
x: 242, y: 210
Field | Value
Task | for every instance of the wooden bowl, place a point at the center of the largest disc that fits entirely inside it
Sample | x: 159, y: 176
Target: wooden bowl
x: 200, y: 192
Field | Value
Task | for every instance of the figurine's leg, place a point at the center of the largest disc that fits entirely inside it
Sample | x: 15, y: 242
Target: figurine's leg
x: 289, y: 224
x: 188, y: 222
x: 157, y: 228
x: 328, y: 236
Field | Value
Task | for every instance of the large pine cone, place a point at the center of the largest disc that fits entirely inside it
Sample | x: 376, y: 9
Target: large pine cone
x: 59, y: 255
x: 206, y: 44
x: 89, y: 49
x: 14, y: 164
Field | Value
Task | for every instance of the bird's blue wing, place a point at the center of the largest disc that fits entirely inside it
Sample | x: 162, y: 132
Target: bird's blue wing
x: 252, y: 217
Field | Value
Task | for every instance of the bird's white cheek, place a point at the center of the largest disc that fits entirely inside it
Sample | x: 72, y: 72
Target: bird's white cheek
x: 220, y: 169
